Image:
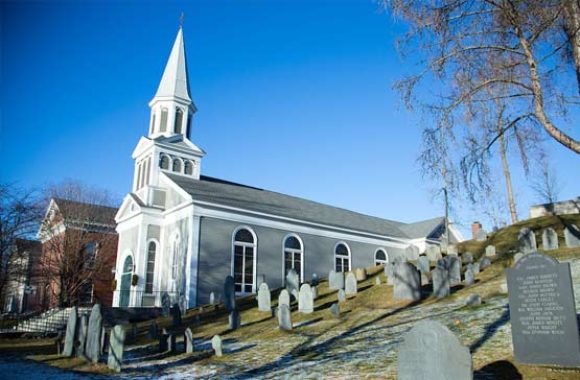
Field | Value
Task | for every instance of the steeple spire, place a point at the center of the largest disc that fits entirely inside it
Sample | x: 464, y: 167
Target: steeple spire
x: 174, y: 82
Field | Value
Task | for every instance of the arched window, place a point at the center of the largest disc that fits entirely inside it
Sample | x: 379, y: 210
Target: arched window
x: 244, y: 260
x: 150, y: 272
x: 152, y: 129
x: 178, y: 120
x: 177, y: 165
x: 89, y: 252
x: 188, y: 167
x: 342, y: 258
x: 163, y: 126
x: 164, y: 162
x: 381, y: 257
x: 293, y: 256
x: 125, y: 287
x: 188, y: 130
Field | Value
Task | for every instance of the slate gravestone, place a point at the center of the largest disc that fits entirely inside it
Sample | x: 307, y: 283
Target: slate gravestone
x: 94, y: 334
x: 475, y: 268
x: 350, y: 287
x: 452, y: 265
x: 116, y: 347
x: 407, y: 282
x: 261, y: 278
x: 543, y: 311
x: 549, y: 239
x: 518, y: 256
x: 284, y: 318
x: 377, y: 280
x: 216, y: 345
x: 484, y: 263
x: 431, y: 351
x: 284, y: 298
x: 229, y: 294
x: 490, y: 251
x: 188, y: 338
x: 335, y: 310
x: 360, y: 274
x: 412, y: 252
x: 451, y: 250
x: 211, y: 298
x: 175, y: 315
x: 71, y: 330
x: 315, y: 280
x: 440, y: 279
x: 341, y: 296
x: 292, y: 283
x: 305, y: 299
x: 165, y: 304
x: 433, y: 252
x: 423, y: 264
x: 572, y: 236
x: 481, y: 235
x: 153, y: 330
x: 82, y: 328
x: 469, y: 277
x: 526, y: 241
x: 335, y: 280
x: 264, y: 298
x: 234, y: 319
x: 467, y: 257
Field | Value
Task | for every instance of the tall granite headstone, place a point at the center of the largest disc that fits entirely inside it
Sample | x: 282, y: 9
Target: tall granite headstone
x: 93, y: 347
x: 526, y: 241
x: 572, y: 236
x: 305, y: 299
x: 264, y: 298
x: 543, y: 312
x: 431, y: 351
x: 350, y: 287
x: 335, y: 280
x: 71, y: 331
x: 549, y: 239
x: 284, y: 318
x: 116, y: 348
x: 407, y: 282
x: 440, y: 282
x: 229, y: 294
x: 293, y: 283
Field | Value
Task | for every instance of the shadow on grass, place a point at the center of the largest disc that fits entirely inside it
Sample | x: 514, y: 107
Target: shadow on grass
x: 501, y: 369
x: 490, y: 330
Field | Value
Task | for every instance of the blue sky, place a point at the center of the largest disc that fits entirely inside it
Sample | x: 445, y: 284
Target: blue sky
x: 293, y: 96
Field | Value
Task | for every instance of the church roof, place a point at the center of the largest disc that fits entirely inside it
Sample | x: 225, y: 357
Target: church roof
x: 221, y: 192
x: 174, y: 81
x: 422, y: 228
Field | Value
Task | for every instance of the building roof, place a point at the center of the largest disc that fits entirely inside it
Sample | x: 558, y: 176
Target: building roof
x: 91, y: 213
x: 422, y: 228
x: 213, y: 190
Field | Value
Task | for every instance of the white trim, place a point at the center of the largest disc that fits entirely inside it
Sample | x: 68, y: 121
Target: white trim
x: 292, y: 234
x: 349, y: 255
x: 255, y: 249
x: 191, y: 280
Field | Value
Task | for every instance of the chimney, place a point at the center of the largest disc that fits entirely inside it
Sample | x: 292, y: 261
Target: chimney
x: 475, y: 227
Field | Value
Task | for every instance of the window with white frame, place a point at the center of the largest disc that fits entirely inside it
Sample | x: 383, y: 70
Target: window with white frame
x: 150, y: 271
x: 178, y: 120
x: 293, y: 256
x: 177, y: 165
x: 164, y: 162
x: 342, y: 258
x: 244, y: 252
x: 381, y: 257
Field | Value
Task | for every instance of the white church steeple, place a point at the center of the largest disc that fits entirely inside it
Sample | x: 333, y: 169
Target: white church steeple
x: 172, y: 107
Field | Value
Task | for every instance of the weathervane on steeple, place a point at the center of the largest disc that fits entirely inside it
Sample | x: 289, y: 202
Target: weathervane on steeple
x: 181, y: 18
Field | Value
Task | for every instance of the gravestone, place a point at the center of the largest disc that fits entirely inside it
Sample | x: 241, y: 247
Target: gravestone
x: 264, y: 298
x: 467, y: 257
x: 440, y: 279
x: 453, y: 266
x: 443, y: 244
x: 377, y: 280
x: 314, y: 292
x: 188, y: 338
x: 211, y: 298
x: 260, y: 279
x: 335, y: 310
x: 451, y: 250
x: 484, y: 263
x: 292, y: 283
x: 341, y: 296
x: 82, y: 327
x: 175, y: 315
x: 431, y: 351
x: 389, y: 272
x: 284, y: 298
x: 305, y: 299
x: 315, y: 280
x: 116, y: 347
x: 543, y: 312
x: 518, y: 256
x: 433, y: 252
x: 526, y: 241
x: 153, y: 330
x: 407, y: 282
x: 284, y: 318
x: 360, y: 274
x: 473, y: 300
x: 216, y: 345
x: 475, y: 268
x: 490, y: 251
x: 469, y: 277
x: 163, y: 341
x: 94, y: 334
x: 234, y: 319
x: 549, y: 239
x: 165, y: 304
x: 229, y: 294
x: 423, y: 264
x: 350, y: 287
x: 71, y: 331
x: 481, y: 235
x: 335, y: 280
x: 104, y: 341
x: 412, y: 252
x: 572, y: 236
x: 171, y: 343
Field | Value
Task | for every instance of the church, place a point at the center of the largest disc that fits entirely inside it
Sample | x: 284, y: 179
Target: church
x: 181, y: 233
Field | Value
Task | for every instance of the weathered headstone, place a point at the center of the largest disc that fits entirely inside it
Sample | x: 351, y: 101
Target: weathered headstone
x: 467, y: 257
x: 360, y: 274
x: 451, y: 250
x: 188, y: 338
x: 153, y: 330
x: 305, y: 299
x: 423, y: 264
x: 175, y: 315
x: 473, y: 300
x: 484, y: 263
x: 549, y: 239
x: 526, y: 241
x: 475, y: 268
x: 350, y: 287
x: 315, y: 280
x: 518, y: 256
x: 543, y: 312
x: 71, y: 331
x: 481, y: 235
x: 335, y: 310
x: 284, y: 318
x: 116, y: 347
x: 572, y: 236
x: 293, y: 283
x: 407, y: 282
x: 490, y: 251
x: 284, y: 298
x: 431, y: 351
x: 377, y: 280
x: 229, y: 294
x: 389, y: 272
x: 216, y: 345
x: 440, y: 282
x: 453, y: 266
x: 336, y: 280
x: 412, y: 252
x: 82, y: 328
x: 469, y: 277
x: 341, y: 296
x: 165, y: 304
x: 94, y: 333
x: 264, y: 298
x: 234, y: 319
x: 211, y: 298
x: 433, y: 252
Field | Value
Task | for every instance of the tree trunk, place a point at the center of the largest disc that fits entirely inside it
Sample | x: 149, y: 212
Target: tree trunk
x: 508, y: 179
x: 572, y: 28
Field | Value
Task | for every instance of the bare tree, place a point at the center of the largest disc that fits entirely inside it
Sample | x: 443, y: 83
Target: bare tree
x: 79, y: 242
x: 547, y: 186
